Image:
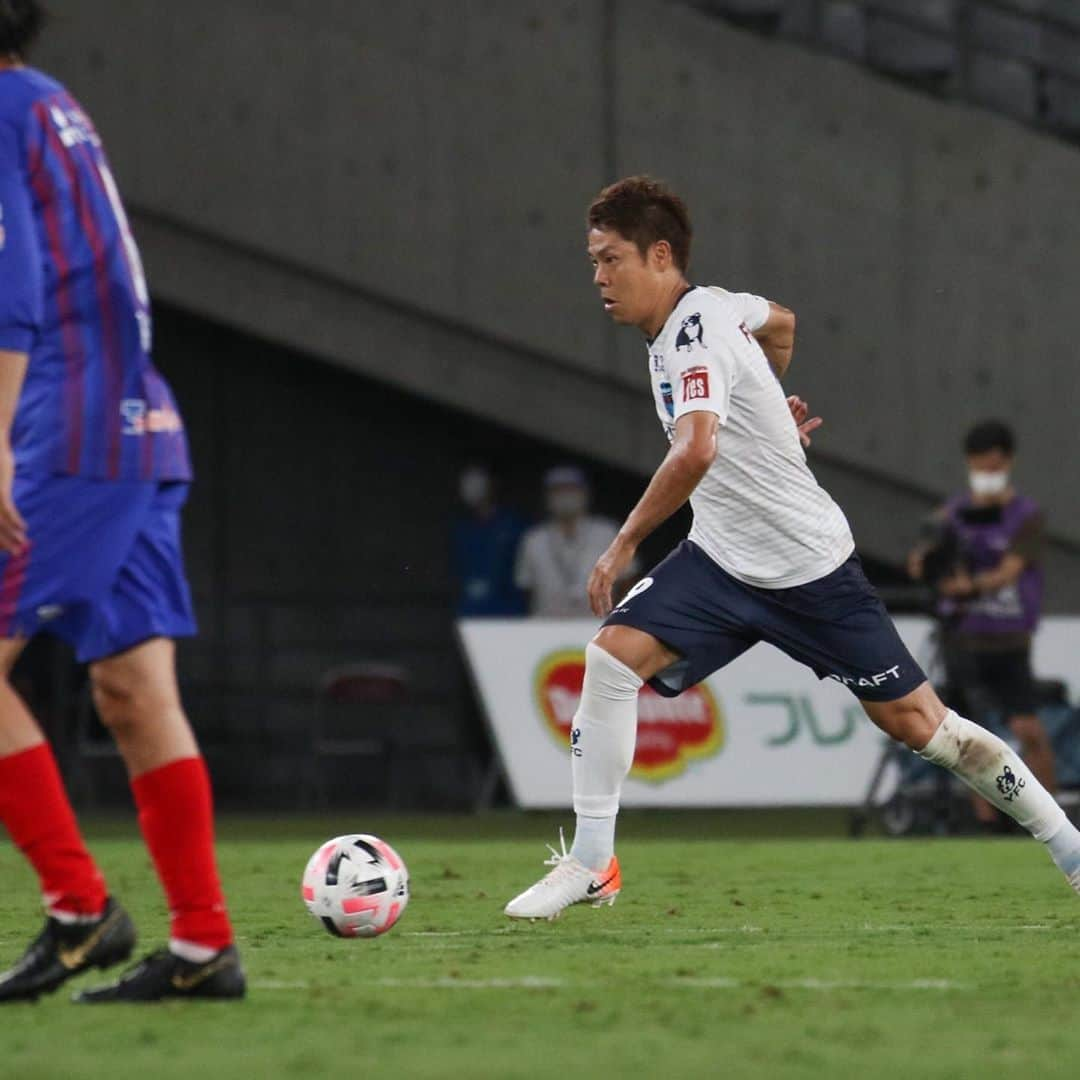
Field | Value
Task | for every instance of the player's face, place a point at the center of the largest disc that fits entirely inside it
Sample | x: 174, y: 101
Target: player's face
x: 629, y: 282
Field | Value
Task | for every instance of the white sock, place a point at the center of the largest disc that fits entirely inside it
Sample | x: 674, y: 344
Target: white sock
x: 67, y: 919
x: 602, y: 749
x: 188, y: 950
x: 594, y: 841
x: 992, y: 768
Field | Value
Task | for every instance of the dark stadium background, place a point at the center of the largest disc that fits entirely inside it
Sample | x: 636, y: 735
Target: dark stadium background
x: 363, y: 227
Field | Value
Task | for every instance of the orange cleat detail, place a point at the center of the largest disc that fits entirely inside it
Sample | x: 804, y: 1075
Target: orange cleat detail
x: 605, y: 886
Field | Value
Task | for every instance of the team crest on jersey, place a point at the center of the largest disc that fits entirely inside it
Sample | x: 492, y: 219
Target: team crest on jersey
x: 695, y: 384
x: 691, y: 333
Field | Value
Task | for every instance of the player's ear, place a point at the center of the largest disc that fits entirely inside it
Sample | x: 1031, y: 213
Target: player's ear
x: 660, y: 254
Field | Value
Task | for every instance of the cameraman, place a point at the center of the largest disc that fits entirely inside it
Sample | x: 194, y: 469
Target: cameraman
x: 985, y: 566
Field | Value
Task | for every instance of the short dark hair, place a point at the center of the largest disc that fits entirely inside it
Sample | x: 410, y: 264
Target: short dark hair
x: 645, y: 211
x: 990, y: 435
x: 20, y: 23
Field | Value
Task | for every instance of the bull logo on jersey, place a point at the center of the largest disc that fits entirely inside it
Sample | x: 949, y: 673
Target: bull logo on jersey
x: 691, y: 333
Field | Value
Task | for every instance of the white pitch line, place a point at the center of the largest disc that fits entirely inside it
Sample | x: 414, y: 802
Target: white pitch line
x: 547, y: 982
x: 722, y: 983
x: 522, y: 982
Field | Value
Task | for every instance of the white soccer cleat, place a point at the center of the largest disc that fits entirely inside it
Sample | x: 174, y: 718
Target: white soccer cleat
x: 1074, y: 879
x: 569, y: 882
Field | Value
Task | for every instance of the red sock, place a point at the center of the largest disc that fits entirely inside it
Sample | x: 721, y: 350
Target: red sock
x: 34, y: 806
x: 176, y: 816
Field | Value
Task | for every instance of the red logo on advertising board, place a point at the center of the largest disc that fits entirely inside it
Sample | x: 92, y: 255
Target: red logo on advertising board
x: 671, y: 731
x: 695, y: 383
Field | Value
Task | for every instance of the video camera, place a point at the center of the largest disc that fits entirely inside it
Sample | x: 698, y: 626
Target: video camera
x: 945, y: 550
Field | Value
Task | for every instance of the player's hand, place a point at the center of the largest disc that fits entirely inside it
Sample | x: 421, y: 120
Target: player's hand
x: 916, y: 561
x: 611, y: 566
x: 12, y: 526
x: 799, y: 412
x: 960, y: 585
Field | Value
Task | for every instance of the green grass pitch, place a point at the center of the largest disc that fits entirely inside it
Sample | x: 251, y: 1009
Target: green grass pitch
x: 728, y: 955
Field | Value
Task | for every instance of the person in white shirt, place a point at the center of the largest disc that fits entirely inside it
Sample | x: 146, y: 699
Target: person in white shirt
x: 556, y: 557
x: 770, y: 556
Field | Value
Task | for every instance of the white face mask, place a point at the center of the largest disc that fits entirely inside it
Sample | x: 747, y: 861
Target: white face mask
x: 566, y: 503
x: 988, y: 483
x: 475, y: 487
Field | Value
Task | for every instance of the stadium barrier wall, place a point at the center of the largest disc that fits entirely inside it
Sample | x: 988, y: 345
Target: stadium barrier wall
x: 763, y: 732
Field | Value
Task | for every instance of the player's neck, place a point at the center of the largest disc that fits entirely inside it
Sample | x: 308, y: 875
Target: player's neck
x: 10, y: 63
x: 665, y: 305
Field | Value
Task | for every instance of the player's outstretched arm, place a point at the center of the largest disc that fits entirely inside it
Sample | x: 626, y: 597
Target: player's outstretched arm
x: 776, y: 336
x: 688, y: 459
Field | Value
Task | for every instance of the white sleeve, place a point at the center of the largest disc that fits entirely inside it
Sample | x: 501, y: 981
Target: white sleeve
x: 702, y: 378
x: 752, y: 310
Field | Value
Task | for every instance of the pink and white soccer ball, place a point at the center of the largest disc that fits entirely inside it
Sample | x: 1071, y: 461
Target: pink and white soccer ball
x: 356, y: 886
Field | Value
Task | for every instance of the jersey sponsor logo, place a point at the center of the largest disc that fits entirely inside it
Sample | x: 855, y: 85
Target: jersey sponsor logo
x: 141, y: 420
x: 672, y: 732
x: 73, y: 126
x: 695, y: 384
x: 869, y: 680
x: 667, y: 395
x: 691, y: 333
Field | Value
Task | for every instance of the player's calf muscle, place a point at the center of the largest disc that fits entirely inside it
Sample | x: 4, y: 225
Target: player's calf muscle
x: 912, y: 719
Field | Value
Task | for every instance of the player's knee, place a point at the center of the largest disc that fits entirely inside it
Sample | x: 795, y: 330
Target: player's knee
x: 123, y: 702
x: 911, y: 720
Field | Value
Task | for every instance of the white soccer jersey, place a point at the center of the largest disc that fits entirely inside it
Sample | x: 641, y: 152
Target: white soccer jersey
x: 758, y: 512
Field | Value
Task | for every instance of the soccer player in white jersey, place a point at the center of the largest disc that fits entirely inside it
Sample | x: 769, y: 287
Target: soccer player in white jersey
x: 770, y: 556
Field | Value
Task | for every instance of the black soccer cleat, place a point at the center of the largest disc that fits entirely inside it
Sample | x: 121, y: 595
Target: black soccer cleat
x: 63, y: 950
x: 162, y: 975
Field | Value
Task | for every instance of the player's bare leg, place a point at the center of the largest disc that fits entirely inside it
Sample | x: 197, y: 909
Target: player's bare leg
x: 84, y: 928
x: 138, y: 700
x: 617, y: 661
x: 986, y: 764
x: 18, y: 729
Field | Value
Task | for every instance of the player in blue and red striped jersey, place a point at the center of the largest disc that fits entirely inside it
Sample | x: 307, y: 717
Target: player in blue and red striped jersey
x: 94, y: 471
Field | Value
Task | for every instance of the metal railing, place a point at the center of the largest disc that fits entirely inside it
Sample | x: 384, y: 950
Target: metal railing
x: 1021, y: 57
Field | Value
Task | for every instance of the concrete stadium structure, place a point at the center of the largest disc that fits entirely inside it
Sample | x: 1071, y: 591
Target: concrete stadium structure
x: 399, y: 189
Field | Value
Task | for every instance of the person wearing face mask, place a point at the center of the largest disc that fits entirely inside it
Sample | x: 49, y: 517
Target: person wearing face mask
x: 485, y: 542
x: 989, y: 597
x: 556, y: 556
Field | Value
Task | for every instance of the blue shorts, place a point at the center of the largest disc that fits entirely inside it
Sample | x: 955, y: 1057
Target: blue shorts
x: 836, y: 625
x: 104, y: 568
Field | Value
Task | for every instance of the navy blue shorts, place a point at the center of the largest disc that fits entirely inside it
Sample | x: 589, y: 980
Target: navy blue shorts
x: 104, y: 569
x: 836, y: 625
